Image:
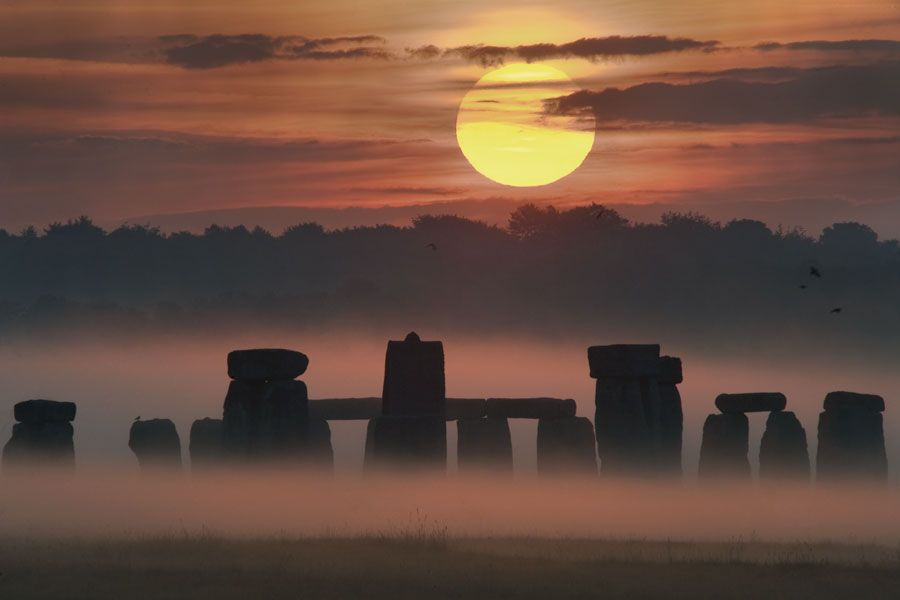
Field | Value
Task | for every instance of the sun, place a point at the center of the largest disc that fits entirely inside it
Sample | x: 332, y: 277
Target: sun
x: 505, y: 133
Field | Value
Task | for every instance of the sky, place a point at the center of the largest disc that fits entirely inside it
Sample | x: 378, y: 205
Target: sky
x: 128, y: 110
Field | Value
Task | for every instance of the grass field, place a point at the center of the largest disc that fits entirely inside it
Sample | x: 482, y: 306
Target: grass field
x: 428, y: 564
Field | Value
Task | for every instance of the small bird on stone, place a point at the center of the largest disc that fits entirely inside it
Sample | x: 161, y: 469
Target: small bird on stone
x: 837, y: 310
x: 814, y: 272
x: 137, y: 418
x: 431, y: 245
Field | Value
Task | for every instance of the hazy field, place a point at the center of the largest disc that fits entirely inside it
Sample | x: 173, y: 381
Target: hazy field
x: 425, y: 564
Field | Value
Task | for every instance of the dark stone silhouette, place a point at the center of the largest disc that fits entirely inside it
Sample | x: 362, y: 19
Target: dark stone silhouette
x: 345, y: 409
x: 44, y: 435
x: 628, y: 407
x: 751, y: 402
x: 406, y: 442
x: 783, y: 452
x: 529, y: 408
x: 723, y: 451
x: 671, y: 417
x: 484, y: 444
x: 207, y: 444
x: 566, y: 446
x: 44, y: 411
x: 266, y: 420
x: 156, y: 444
x: 319, y: 451
x: 266, y: 364
x: 851, y: 438
x: 414, y: 378
x: 465, y: 408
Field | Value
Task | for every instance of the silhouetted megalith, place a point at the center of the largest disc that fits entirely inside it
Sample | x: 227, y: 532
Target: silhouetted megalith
x: 628, y: 407
x: 345, y: 409
x: 465, y: 408
x: 566, y: 445
x: 155, y: 443
x: 319, y: 451
x: 266, y: 420
x: 44, y: 435
x: 751, y: 402
x: 414, y: 378
x: 484, y: 444
x: 852, y: 400
x: 405, y: 442
x: 266, y: 364
x: 44, y: 411
x: 207, y: 444
x: 671, y: 416
x: 851, y: 438
x: 529, y: 408
x: 725, y: 445
x: 783, y: 452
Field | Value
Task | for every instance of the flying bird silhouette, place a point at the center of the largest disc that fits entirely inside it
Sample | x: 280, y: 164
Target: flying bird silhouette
x: 837, y: 310
x: 803, y: 286
x: 431, y: 245
x: 814, y: 272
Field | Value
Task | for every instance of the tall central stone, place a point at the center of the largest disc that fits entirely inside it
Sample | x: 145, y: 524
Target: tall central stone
x: 412, y: 430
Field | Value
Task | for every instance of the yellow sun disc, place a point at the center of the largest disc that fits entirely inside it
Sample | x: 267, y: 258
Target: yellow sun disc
x: 505, y: 132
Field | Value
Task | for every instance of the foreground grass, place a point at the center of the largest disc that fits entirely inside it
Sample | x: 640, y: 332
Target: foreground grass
x: 433, y: 566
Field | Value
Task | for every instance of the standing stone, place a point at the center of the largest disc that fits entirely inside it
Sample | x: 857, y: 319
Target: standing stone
x: 43, y: 435
x: 414, y: 378
x: 628, y: 407
x: 725, y: 445
x: 783, y: 453
x: 156, y: 444
x: 484, y: 444
x: 565, y: 446
x: 266, y: 420
x: 319, y: 451
x: 207, y: 444
x: 851, y: 438
x: 671, y: 417
x: 405, y: 442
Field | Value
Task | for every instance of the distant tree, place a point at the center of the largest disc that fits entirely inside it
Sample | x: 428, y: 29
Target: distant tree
x: 848, y: 235
x: 530, y: 220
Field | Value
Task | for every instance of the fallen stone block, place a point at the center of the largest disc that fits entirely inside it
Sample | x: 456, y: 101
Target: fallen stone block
x: 266, y: 364
x: 725, y: 445
x: 529, y: 408
x: 783, y: 452
x: 484, y: 444
x: 751, y: 402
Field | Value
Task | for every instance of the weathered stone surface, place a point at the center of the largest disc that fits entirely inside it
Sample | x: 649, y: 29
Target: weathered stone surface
x: 670, y: 370
x: 414, y: 378
x: 320, y: 453
x: 484, y: 444
x: 465, y: 408
x: 529, y: 408
x: 671, y: 425
x: 345, y: 409
x: 783, y: 453
x: 207, y: 444
x: 403, y: 442
x: 851, y: 445
x: 44, y: 411
x: 624, y: 360
x: 42, y: 443
x: 266, y: 420
x: 628, y: 424
x: 566, y: 446
x: 751, y: 402
x: 266, y: 364
x: 723, y: 451
x: 155, y: 443
x: 850, y: 400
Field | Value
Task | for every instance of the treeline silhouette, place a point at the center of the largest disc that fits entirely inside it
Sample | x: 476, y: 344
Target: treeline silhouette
x: 583, y: 271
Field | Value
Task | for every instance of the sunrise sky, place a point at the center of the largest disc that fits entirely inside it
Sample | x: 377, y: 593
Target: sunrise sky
x: 121, y: 110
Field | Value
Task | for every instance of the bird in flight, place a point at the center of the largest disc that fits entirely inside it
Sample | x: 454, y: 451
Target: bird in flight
x: 431, y: 245
x: 814, y: 272
x: 803, y: 286
x: 837, y: 310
